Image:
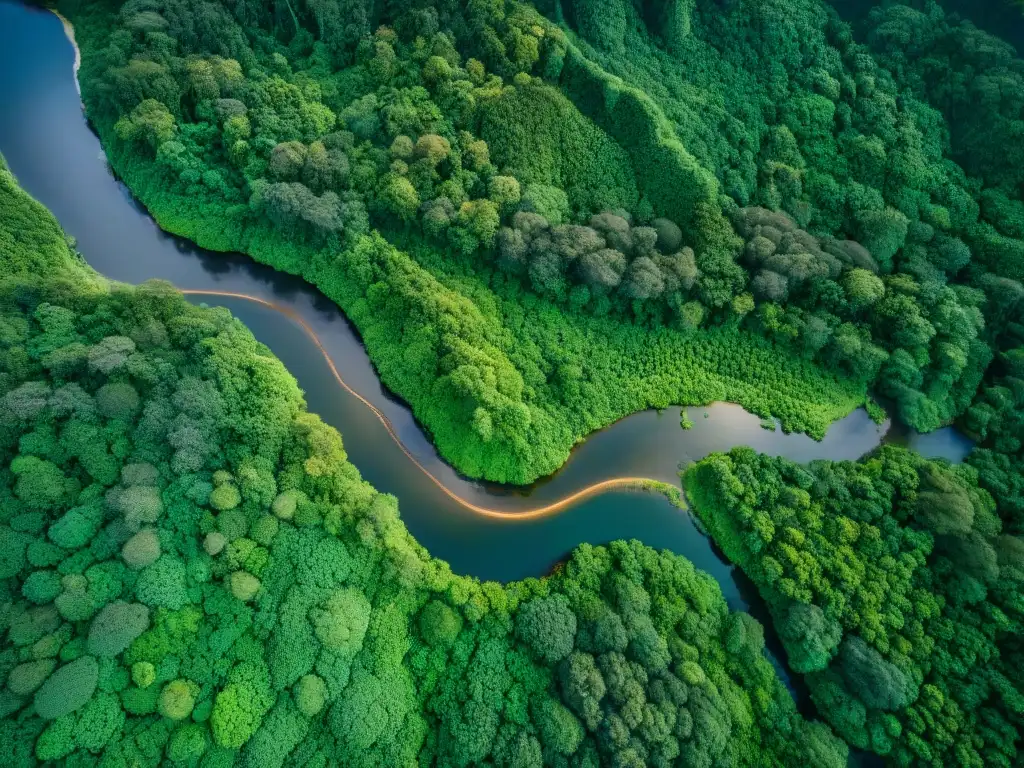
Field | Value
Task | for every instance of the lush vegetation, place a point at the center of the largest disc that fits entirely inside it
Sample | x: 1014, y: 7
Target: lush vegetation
x: 296, y: 144
x: 895, y: 585
x: 541, y: 217
x: 192, y: 573
x: 895, y: 582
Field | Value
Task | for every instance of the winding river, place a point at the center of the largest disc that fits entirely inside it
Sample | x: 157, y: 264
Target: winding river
x: 489, y: 531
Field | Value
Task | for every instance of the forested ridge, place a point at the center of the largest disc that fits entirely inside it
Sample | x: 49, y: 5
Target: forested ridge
x: 191, y: 573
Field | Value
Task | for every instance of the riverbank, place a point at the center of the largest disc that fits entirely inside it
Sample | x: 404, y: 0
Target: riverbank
x: 616, y: 483
x: 943, y: 444
x: 69, y: 32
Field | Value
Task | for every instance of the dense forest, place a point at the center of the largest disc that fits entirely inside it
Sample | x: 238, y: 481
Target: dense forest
x: 895, y: 584
x: 192, y: 573
x: 542, y: 218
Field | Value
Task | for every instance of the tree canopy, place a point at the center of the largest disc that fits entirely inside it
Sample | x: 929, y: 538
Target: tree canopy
x: 675, y: 191
x: 541, y: 217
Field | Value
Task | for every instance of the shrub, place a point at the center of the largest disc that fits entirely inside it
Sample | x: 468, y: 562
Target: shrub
x: 177, y: 699
x: 68, y: 689
x: 548, y: 626
x: 310, y: 695
x: 116, y: 626
x: 142, y: 549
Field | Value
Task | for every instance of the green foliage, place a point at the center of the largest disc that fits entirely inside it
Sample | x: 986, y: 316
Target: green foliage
x: 143, y: 674
x: 24, y: 679
x: 187, y: 744
x: 41, y: 587
x: 177, y: 699
x: 240, y: 706
x: 342, y: 621
x: 540, y: 138
x: 163, y: 584
x: 548, y: 626
x: 244, y: 585
x: 117, y: 400
x: 150, y: 123
x: 68, y: 689
x: 602, y: 23
x: 810, y: 637
x: 432, y: 155
x: 115, y: 627
x: 439, y: 624
x: 225, y: 497
x: 538, y: 228
x: 214, y: 543
x: 142, y: 549
x: 40, y: 484
x: 310, y: 695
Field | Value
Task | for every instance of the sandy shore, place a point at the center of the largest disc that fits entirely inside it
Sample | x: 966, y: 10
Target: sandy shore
x: 69, y: 30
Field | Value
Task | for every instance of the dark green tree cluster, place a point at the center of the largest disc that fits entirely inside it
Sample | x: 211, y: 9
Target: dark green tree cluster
x: 973, y: 78
x: 976, y: 81
x: 996, y: 420
x: 312, y: 122
x: 191, y: 573
x: 605, y: 264
x: 895, y: 585
x: 922, y: 343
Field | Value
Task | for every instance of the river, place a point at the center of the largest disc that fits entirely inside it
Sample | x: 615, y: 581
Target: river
x: 58, y: 159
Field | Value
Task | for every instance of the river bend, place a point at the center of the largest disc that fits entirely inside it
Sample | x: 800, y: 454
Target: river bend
x: 490, y: 531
